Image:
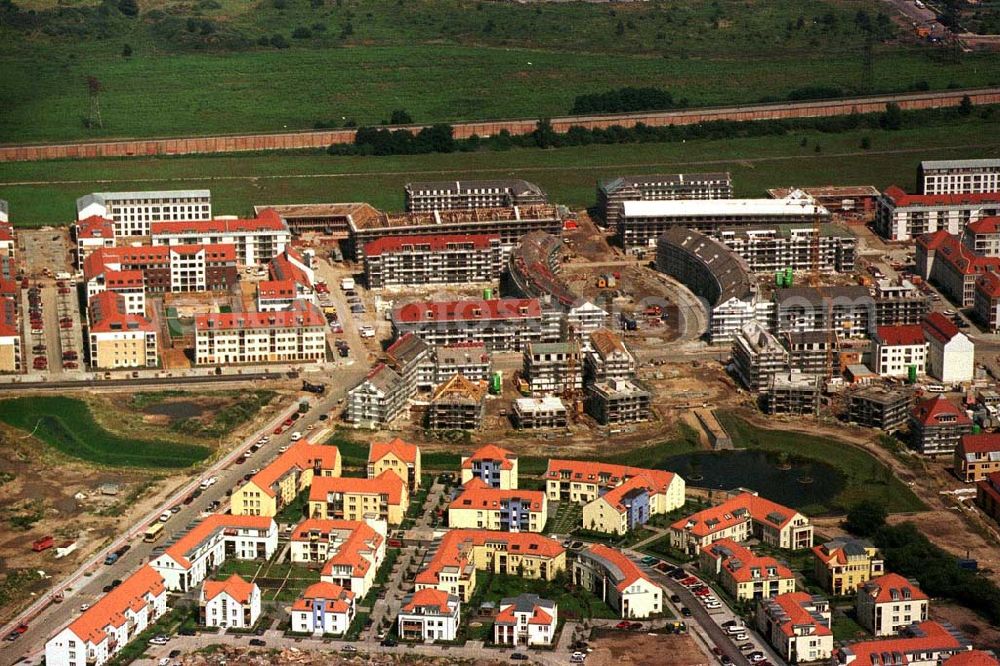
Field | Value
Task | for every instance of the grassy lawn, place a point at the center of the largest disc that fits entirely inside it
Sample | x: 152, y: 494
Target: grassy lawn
x: 565, y: 518
x: 45, y: 192
x: 866, y: 478
x: 67, y: 425
x: 294, y: 511
x: 573, y: 602
x: 438, y: 59
x: 626, y: 540
x: 845, y: 627
x: 278, y: 581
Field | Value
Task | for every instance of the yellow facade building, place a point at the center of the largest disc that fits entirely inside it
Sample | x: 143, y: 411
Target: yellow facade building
x: 397, y: 456
x: 844, y: 564
x: 279, y: 483
x: 383, y: 497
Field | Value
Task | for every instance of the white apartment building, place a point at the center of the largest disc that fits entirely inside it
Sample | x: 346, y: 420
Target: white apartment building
x: 233, y: 603
x: 257, y: 241
x: 900, y: 216
x: 950, y: 353
x: 527, y: 620
x: 797, y: 625
x: 887, y: 604
x: 134, y: 212
x: 350, y: 551
x: 111, y: 623
x: 297, y: 335
x: 429, y: 615
x: 898, y: 349
x: 187, y: 562
x: 616, y: 580
x: 959, y: 176
x: 91, y: 234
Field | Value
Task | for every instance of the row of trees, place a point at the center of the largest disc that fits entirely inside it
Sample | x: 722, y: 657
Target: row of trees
x: 909, y: 553
x: 440, y: 138
x: 626, y: 100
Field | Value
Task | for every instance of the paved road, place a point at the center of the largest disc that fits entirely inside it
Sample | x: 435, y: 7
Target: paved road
x: 85, y: 584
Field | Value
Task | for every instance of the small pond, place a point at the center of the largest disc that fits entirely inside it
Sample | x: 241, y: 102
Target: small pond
x: 793, y: 482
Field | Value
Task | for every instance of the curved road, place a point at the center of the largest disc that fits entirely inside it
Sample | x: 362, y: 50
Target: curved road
x: 321, y: 139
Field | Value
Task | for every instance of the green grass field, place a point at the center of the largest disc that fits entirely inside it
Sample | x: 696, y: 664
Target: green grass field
x: 866, y: 478
x: 45, y: 192
x: 197, y: 68
x: 67, y: 425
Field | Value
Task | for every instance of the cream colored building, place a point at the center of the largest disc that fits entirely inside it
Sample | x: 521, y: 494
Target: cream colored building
x: 481, y: 507
x: 118, y: 339
x: 383, y: 497
x: 739, y: 518
x: 296, y: 335
x: 462, y: 552
x: 889, y: 603
x: 616, y: 580
x: 495, y: 467
x: 797, y: 625
x: 280, y: 482
x: 351, y: 552
x: 743, y: 574
x: 845, y: 563
x: 397, y: 456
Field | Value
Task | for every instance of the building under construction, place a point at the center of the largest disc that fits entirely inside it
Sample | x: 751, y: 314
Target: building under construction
x: 553, y: 367
x: 508, y: 223
x: 329, y: 219
x: 463, y: 194
x: 899, y: 304
x: 457, y: 404
x: 844, y: 199
x: 410, y: 261
x: 608, y: 358
x: 534, y: 413
x: 878, y: 407
x: 618, y: 401
x: 793, y: 393
x: 767, y: 249
x: 758, y: 356
x: 611, y: 194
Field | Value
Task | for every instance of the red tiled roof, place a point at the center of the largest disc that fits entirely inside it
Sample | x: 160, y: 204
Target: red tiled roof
x: 302, y: 456
x: 404, y: 451
x: 883, y: 588
x: 200, y: 532
x: 901, y: 198
x: 468, y: 310
x: 454, y: 548
x: 308, y: 316
x: 743, y: 507
x: 984, y: 442
x: 792, y: 604
x: 95, y: 226
x: 428, y: 242
x: 429, y: 598
x: 741, y: 562
x: 361, y: 540
x: 933, y: 241
x: 110, y: 609
x: 940, y: 327
x: 990, y: 486
x: 900, y: 335
x: 538, y: 616
x: 106, y: 312
x: 267, y: 220
x: 282, y: 267
x: 605, y: 474
x: 115, y: 258
x: 490, y: 452
x: 477, y: 495
x: 928, y: 412
x: 386, y: 483
x: 212, y: 251
x: 123, y: 279
x: 989, y: 285
x: 335, y: 598
x: 237, y: 588
x: 276, y: 289
x: 985, y: 225
x: 953, y: 252
x: 880, y: 652
x: 8, y: 317
x: 629, y: 571
x: 972, y: 658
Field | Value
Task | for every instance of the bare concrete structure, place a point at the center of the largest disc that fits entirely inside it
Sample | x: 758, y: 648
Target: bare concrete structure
x: 878, y: 407
x: 457, y: 405
x: 611, y: 194
x: 464, y: 194
x: 618, y: 401
x: 793, y: 393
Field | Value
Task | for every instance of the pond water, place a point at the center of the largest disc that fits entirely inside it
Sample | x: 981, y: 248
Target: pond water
x: 179, y: 409
x: 793, y: 482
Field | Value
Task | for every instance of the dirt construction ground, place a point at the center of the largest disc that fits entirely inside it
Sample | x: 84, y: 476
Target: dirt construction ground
x: 626, y: 648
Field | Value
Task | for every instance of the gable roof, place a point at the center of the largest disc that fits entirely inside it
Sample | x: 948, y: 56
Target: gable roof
x: 110, y: 610
x: 357, y: 547
x: 972, y: 658
x: 841, y: 549
x: 300, y: 456
x: 793, y: 613
x: 335, y: 599
x: 898, y: 197
x: 743, y: 507
x: 429, y: 243
x: 622, y: 571
x: 893, y: 587
x: 937, y: 326
x: 204, y: 530
x: 900, y: 335
x: 605, y: 474
x: 387, y: 483
x: 741, y: 563
x: 238, y: 589
x: 539, y: 611
x: 468, y: 310
x: 490, y: 452
x: 984, y: 442
x: 405, y: 451
x: 267, y: 220
x: 453, y: 551
x: 430, y: 599
x: 477, y: 495
x: 926, y: 636
x: 989, y: 284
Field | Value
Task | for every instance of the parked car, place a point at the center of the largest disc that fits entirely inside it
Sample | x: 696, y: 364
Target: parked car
x: 388, y: 642
x: 624, y: 624
x: 256, y: 642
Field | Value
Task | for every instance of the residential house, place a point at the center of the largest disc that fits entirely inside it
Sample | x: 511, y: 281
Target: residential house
x: 483, y: 507
x: 988, y: 495
x: 938, y: 425
x: 378, y: 399
x: 452, y: 567
x: 350, y: 551
x: 278, y: 484
x: 232, y: 603
x: 845, y: 563
x: 900, y: 350
x: 797, y: 625
x: 950, y: 353
x: 921, y: 644
x: 889, y: 603
x: 743, y: 574
x: 494, y: 466
x: 739, y: 518
x: 429, y: 615
x: 527, y: 620
x: 977, y: 456
x: 397, y: 456
x: 383, y: 497
x: 323, y: 608
x: 617, y: 581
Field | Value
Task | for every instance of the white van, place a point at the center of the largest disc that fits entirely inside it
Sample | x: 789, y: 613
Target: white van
x: 935, y: 388
x: 347, y: 284
x: 296, y: 436
x: 165, y: 516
